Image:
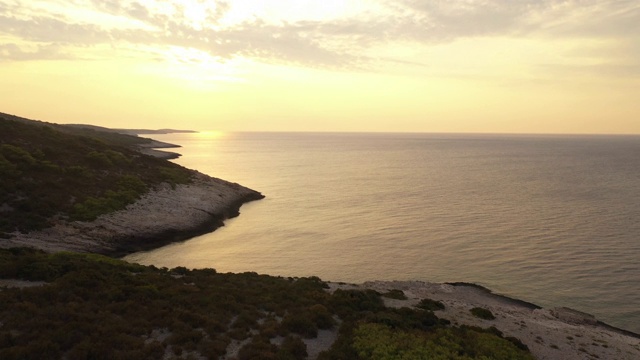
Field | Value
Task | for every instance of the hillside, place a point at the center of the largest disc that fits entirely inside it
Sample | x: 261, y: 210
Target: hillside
x: 51, y: 173
x: 110, y: 136
x: 76, y: 306
x: 80, y: 189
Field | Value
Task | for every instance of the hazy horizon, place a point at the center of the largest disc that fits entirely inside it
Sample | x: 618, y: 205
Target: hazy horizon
x: 218, y: 133
x: 497, y: 66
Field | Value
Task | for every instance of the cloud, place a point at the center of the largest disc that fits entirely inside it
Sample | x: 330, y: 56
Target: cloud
x: 51, y: 30
x: 443, y: 19
x: 336, y: 42
x: 12, y: 52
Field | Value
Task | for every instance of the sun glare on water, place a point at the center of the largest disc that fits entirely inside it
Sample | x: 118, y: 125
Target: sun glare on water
x: 210, y: 134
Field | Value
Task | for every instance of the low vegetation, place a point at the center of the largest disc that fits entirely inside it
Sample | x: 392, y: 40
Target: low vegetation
x: 395, y: 294
x: 482, y: 313
x: 430, y: 305
x: 50, y: 173
x: 98, y: 307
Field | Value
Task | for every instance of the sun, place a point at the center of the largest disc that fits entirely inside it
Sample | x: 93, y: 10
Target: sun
x: 197, y: 12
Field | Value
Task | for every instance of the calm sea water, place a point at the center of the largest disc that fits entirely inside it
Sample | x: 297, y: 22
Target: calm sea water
x: 554, y: 220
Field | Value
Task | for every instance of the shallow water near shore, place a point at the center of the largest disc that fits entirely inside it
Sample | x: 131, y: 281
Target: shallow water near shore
x: 554, y: 220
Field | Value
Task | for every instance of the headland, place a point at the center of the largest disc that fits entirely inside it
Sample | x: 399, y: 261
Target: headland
x: 163, y: 215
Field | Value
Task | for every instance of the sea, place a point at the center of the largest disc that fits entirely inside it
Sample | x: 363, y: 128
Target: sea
x: 549, y: 219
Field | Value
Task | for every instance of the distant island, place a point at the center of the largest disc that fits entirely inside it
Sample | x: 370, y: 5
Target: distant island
x: 73, y: 198
x: 132, y: 131
x: 159, y: 131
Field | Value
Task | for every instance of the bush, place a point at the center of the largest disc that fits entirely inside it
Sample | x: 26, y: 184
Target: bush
x: 258, y: 349
x: 17, y: 155
x: 175, y: 176
x: 349, y: 303
x: 292, y: 348
x: 300, y: 323
x: 321, y: 316
x: 129, y: 189
x: 482, y: 313
x: 395, y: 294
x: 430, y: 305
x: 376, y: 341
x: 405, y: 318
x: 99, y: 159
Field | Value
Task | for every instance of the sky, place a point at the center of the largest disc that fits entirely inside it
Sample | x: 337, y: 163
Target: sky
x: 491, y: 66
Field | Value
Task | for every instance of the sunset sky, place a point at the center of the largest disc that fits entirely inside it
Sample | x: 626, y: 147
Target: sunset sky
x: 526, y: 66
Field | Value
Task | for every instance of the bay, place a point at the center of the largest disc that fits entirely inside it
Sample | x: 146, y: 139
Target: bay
x: 551, y: 219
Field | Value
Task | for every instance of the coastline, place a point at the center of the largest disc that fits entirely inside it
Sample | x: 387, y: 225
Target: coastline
x: 162, y: 216
x: 153, y: 147
x: 167, y: 215
x: 555, y: 333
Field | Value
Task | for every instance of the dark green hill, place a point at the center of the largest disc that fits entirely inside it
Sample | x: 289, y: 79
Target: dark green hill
x: 51, y: 172
x: 110, y: 136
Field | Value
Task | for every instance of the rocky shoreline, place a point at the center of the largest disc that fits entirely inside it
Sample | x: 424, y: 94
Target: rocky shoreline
x: 557, y: 333
x: 162, y: 216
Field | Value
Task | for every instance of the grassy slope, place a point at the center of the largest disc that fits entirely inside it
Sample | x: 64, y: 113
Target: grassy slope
x: 52, y: 172
x: 98, y: 307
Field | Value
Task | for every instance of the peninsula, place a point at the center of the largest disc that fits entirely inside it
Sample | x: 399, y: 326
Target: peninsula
x: 79, y: 188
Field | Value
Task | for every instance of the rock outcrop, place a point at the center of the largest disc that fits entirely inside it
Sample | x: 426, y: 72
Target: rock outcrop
x: 162, y: 216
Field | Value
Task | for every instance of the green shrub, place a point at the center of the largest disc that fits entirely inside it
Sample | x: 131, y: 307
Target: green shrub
x: 377, y: 341
x: 321, y: 316
x: 300, y: 323
x: 482, y: 313
x: 117, y: 157
x: 17, y: 155
x: 99, y: 159
x: 129, y: 189
x: 174, y: 176
x: 405, y: 318
x: 292, y: 348
x: 258, y: 349
x: 395, y: 294
x: 131, y: 183
x: 350, y: 303
x: 7, y: 168
x: 430, y: 305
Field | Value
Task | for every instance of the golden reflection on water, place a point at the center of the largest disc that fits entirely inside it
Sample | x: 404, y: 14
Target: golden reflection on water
x: 552, y: 220
x: 210, y: 135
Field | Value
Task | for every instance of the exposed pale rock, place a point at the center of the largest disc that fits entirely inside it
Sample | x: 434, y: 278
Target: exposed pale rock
x: 550, y: 334
x: 573, y: 316
x: 161, y: 216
